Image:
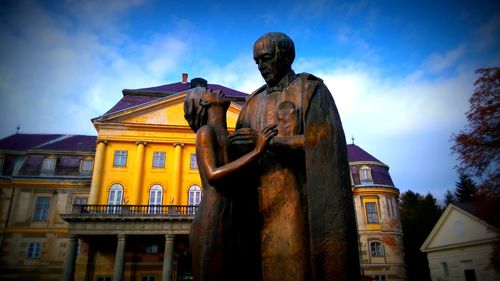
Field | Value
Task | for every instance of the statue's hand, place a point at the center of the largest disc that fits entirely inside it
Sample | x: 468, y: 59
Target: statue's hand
x: 243, y: 136
x: 265, y: 137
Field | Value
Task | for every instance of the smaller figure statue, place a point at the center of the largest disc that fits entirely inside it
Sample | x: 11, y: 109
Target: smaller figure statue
x: 210, y: 236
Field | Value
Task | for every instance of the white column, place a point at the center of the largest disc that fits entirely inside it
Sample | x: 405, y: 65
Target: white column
x: 70, y: 259
x: 168, y: 257
x: 120, y: 257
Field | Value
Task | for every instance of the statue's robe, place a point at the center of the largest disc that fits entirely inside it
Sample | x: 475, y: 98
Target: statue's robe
x: 305, y: 212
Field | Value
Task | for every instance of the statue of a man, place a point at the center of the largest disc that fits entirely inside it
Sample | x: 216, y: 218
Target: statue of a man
x: 305, y: 213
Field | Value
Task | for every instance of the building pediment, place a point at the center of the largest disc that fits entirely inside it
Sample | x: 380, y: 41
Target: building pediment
x: 164, y: 111
x: 458, y: 228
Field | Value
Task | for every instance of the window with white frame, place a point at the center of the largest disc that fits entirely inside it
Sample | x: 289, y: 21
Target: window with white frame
x: 365, y: 174
x: 446, y: 271
x: 48, y: 164
x: 42, y: 205
x: 148, y: 278
x: 80, y: 201
x: 376, y: 249
x: 371, y: 212
x: 379, y: 278
x: 155, y: 199
x: 87, y: 165
x: 120, y: 159
x: 159, y: 159
x: 34, y: 250
x: 193, y: 164
x: 194, y: 196
x: 151, y: 249
x: 115, y: 197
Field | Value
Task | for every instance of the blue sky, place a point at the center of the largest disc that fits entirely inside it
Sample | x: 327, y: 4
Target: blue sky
x: 401, y: 72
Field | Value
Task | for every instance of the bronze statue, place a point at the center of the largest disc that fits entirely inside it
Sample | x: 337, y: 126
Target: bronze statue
x: 211, y: 236
x: 305, y: 223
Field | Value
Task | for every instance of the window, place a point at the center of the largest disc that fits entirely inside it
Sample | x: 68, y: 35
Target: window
x: 194, y: 198
x: 115, y: 198
x: 120, y: 159
x: 365, y: 174
x: 192, y: 163
x: 41, y: 209
x: 376, y: 249
x: 34, y: 250
x: 151, y: 249
x: 379, y: 278
x: 371, y: 212
x: 80, y: 201
x: 148, y: 278
x: 158, y: 159
x: 2, y: 160
x: 446, y: 272
x: 155, y: 199
x: 103, y: 278
x: 48, y: 164
x: 87, y: 165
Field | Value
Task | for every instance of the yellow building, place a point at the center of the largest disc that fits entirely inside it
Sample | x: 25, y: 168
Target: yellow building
x: 142, y: 196
x: 41, y: 176
x: 377, y: 215
x: 145, y: 189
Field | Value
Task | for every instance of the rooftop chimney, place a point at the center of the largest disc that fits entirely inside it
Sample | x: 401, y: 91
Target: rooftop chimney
x: 184, y: 78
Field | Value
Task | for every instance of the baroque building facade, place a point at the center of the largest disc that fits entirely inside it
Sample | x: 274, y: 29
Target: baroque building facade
x: 41, y: 176
x: 131, y: 218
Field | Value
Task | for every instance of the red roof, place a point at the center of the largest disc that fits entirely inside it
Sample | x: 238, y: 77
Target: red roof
x: 48, y: 142
x: 137, y: 97
x: 356, y: 154
x: 380, y: 174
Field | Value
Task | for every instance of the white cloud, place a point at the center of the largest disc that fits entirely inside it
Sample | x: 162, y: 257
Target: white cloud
x: 57, y: 72
x: 440, y: 62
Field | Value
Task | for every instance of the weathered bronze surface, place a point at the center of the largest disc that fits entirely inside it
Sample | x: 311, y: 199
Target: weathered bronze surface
x: 211, y: 237
x: 306, y: 225
x: 284, y: 212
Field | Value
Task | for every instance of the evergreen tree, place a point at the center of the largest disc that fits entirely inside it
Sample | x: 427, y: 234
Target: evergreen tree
x: 419, y: 214
x: 466, y: 189
x: 449, y: 198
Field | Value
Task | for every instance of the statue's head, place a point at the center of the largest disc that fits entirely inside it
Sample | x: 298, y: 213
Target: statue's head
x: 196, y: 104
x: 274, y: 53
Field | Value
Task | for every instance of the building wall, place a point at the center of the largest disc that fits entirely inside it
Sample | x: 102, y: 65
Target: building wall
x: 21, y: 229
x: 387, y: 231
x: 458, y: 259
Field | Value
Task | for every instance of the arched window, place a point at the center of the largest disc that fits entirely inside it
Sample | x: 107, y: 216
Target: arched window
x: 194, y: 198
x: 115, y: 198
x: 376, y: 249
x: 155, y: 199
x: 365, y: 174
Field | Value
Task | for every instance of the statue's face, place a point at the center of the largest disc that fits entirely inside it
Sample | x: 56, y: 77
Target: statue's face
x: 272, y: 65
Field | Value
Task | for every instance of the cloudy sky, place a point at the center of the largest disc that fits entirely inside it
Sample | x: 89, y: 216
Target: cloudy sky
x: 401, y: 72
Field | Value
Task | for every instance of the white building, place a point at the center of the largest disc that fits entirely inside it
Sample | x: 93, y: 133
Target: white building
x: 460, y: 245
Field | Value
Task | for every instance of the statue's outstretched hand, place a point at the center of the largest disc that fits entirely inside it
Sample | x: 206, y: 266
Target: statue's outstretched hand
x: 265, y: 137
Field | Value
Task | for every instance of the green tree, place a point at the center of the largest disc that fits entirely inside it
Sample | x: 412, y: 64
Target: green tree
x: 419, y: 214
x: 449, y: 198
x: 466, y: 189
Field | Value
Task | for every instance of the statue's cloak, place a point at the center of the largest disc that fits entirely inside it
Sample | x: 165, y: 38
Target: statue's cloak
x: 328, y: 199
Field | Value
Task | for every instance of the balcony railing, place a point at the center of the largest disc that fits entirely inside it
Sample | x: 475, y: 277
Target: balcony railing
x: 141, y: 210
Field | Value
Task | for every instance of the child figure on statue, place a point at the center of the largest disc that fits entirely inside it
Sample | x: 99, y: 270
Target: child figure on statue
x: 205, y: 110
